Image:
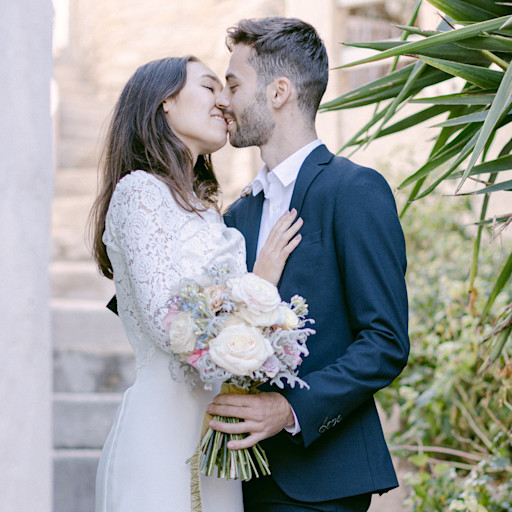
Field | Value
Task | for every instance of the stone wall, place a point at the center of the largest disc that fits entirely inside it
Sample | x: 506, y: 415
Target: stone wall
x: 113, y: 38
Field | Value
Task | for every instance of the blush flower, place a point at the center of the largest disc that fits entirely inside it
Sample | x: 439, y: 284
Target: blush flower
x: 240, y: 349
x: 181, y: 333
x: 256, y: 293
x: 271, y: 367
x: 263, y: 319
x: 215, y: 297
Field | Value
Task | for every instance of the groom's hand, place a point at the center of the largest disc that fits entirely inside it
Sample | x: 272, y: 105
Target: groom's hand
x: 263, y: 415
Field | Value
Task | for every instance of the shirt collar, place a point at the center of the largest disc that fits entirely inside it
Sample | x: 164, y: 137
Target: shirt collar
x: 287, y: 171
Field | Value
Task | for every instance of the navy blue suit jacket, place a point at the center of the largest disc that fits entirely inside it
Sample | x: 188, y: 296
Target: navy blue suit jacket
x: 350, y: 267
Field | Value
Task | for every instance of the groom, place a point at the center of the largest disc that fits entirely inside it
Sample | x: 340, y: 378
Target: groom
x: 325, y: 445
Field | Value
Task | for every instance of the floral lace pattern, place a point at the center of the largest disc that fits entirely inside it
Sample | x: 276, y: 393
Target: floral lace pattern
x: 152, y: 244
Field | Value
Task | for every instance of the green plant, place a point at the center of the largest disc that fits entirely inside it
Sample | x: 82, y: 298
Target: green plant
x: 456, y: 423
x: 473, y: 43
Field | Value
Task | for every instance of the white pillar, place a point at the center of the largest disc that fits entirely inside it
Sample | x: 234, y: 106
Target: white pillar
x: 26, y: 189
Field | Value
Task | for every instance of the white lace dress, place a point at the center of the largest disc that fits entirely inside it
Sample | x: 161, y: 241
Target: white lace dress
x: 153, y: 243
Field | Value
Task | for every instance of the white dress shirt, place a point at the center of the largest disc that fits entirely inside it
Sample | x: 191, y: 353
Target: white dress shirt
x: 277, y: 186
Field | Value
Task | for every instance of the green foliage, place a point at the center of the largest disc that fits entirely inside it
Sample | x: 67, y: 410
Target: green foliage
x: 456, y: 418
x: 475, y: 45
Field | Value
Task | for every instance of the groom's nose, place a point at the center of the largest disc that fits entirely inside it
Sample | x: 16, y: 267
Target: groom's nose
x: 222, y: 100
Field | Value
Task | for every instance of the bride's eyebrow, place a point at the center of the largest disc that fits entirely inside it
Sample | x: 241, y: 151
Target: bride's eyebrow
x: 212, y: 77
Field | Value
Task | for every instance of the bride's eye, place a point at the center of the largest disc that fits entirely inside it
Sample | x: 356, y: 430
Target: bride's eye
x: 209, y: 88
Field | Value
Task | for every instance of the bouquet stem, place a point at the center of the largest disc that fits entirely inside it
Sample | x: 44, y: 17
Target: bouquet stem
x: 243, y: 464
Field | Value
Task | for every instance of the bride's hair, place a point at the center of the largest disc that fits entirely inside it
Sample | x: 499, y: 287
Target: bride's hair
x: 139, y: 137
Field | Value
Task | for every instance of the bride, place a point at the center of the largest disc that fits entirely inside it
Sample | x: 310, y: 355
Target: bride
x: 156, y: 220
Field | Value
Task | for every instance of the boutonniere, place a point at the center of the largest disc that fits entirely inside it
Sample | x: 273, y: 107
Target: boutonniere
x: 246, y: 190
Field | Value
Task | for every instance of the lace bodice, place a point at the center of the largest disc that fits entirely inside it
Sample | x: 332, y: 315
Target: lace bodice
x: 152, y: 244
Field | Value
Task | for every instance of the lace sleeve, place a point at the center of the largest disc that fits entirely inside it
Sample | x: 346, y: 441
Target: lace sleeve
x: 145, y: 223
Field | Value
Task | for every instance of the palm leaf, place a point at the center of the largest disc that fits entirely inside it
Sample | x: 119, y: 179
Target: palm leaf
x: 447, y: 51
x: 499, y: 107
x: 498, y: 187
x: 444, y: 154
x: 491, y: 43
x: 503, y: 163
x: 476, y: 117
x: 461, y: 10
x: 502, y: 280
x: 458, y: 99
x: 445, y: 37
x: 476, y: 75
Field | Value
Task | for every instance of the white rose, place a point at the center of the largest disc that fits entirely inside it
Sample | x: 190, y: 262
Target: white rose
x: 258, y: 294
x: 181, y: 333
x: 263, y: 319
x: 240, y: 349
x: 291, y: 320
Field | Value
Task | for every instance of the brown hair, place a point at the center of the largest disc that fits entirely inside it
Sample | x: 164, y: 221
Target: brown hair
x: 286, y: 47
x: 139, y: 137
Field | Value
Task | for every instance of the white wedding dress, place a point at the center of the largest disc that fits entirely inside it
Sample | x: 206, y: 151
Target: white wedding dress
x: 152, y: 243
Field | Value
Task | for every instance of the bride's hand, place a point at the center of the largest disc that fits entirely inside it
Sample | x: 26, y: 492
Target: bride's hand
x: 281, y: 242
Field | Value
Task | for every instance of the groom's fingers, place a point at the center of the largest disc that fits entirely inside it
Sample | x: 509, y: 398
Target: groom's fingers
x: 263, y: 415
x: 235, y: 406
x: 246, y: 442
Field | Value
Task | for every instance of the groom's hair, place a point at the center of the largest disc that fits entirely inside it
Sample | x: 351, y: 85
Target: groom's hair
x: 286, y: 47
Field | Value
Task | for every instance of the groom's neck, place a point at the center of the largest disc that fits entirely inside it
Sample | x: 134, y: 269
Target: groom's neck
x: 285, y: 142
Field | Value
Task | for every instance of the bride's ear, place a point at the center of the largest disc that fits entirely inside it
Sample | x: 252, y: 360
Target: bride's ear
x: 165, y: 105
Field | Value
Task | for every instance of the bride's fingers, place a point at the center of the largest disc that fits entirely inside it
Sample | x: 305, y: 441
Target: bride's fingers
x: 284, y: 232
x: 291, y: 246
x: 283, y: 223
x: 293, y: 229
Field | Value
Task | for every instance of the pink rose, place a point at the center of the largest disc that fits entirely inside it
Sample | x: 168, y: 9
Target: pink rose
x: 271, y: 366
x: 215, y: 295
x: 195, y: 356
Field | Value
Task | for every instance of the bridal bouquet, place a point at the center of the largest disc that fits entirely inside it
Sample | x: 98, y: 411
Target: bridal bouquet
x: 236, y: 330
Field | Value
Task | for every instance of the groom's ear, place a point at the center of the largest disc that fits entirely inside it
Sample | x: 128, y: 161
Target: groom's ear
x: 280, y: 91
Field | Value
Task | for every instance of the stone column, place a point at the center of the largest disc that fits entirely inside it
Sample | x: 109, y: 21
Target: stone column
x: 26, y: 188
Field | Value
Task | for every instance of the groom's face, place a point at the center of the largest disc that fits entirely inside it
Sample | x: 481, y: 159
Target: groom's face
x: 244, y: 102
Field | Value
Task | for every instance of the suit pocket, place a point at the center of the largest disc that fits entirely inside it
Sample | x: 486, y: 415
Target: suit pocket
x: 314, y: 237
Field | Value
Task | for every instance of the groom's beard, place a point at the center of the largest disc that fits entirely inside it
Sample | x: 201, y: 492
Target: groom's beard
x: 254, y: 126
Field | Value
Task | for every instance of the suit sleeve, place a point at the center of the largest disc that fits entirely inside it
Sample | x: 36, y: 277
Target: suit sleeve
x: 371, y: 257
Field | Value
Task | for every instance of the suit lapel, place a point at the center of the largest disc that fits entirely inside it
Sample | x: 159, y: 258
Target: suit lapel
x: 251, y: 228
x: 310, y: 169
x: 252, y: 219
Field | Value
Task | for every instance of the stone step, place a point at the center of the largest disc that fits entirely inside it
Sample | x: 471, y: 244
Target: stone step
x: 69, y: 227
x: 80, y: 371
x: 75, y: 181
x: 77, y: 152
x: 83, y: 420
x: 74, y: 479
x: 86, y: 325
x: 79, y: 280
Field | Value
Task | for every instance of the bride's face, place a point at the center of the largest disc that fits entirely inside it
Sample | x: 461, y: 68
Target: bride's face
x: 193, y: 114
